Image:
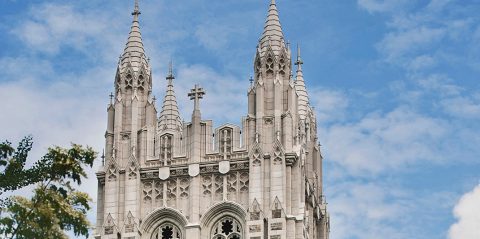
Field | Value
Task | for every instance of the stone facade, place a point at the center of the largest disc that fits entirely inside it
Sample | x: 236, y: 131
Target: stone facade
x: 164, y: 178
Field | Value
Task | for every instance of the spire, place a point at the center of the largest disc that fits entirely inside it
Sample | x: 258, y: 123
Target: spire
x: 134, y: 52
x: 170, y: 117
x: 301, y: 88
x: 272, y: 32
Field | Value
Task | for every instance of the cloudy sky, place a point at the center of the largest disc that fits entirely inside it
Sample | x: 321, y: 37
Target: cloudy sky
x: 395, y: 84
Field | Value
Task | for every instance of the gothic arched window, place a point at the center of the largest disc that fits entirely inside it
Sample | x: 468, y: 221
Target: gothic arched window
x: 226, y: 141
x: 227, y: 228
x: 166, y: 146
x: 167, y: 231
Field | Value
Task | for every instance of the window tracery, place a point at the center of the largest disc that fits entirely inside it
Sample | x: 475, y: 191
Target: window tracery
x: 256, y: 158
x: 147, y: 192
x: 227, y: 228
x: 226, y: 141
x: 269, y: 65
x: 158, y: 192
x: 282, y: 65
x: 166, y: 145
x: 167, y: 231
x: 129, y: 81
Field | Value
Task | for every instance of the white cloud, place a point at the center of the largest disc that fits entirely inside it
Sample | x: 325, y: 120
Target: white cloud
x: 224, y: 93
x: 50, y: 27
x: 438, y: 84
x: 329, y: 104
x: 384, y: 142
x: 396, y: 45
x: 462, y: 107
x: 467, y: 212
x: 373, y: 6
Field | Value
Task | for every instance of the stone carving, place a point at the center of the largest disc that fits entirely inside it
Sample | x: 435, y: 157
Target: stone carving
x: 193, y: 169
x: 227, y: 227
x: 276, y: 226
x: 129, y: 223
x: 164, y: 173
x: 209, y: 169
x: 254, y: 228
x: 167, y: 231
x: 224, y: 167
x: 277, y: 209
x: 255, y: 211
x: 109, y: 225
x: 158, y: 192
x: 277, y: 155
x: 256, y: 158
x: 232, y: 183
x: 183, y: 187
x: 243, y: 182
x: 132, y: 169
x: 112, y: 171
x: 166, y: 145
x: 225, y: 146
x: 172, y: 191
x: 207, y: 185
x: 147, y: 191
x: 218, y: 187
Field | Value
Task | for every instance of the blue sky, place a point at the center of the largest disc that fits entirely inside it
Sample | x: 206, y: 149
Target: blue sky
x: 395, y: 84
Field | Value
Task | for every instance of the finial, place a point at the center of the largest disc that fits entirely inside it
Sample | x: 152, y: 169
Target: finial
x: 272, y: 2
x: 196, y: 94
x: 170, y: 71
x: 111, y: 97
x: 299, y: 61
x: 136, y: 10
x: 251, y: 80
x: 154, y: 99
x: 103, y: 157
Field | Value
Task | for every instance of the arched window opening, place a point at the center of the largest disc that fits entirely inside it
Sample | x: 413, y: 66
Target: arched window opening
x: 167, y: 231
x: 226, y: 141
x: 129, y: 81
x: 227, y: 228
x: 166, y: 145
x: 269, y: 65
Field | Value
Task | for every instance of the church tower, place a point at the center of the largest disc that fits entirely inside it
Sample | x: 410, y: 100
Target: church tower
x: 164, y: 178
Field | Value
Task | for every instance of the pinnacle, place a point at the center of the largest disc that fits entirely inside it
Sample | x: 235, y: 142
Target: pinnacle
x: 170, y: 116
x: 303, y: 101
x: 134, y: 52
x: 272, y: 33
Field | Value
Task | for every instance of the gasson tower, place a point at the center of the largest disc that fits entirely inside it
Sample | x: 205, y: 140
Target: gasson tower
x: 164, y: 178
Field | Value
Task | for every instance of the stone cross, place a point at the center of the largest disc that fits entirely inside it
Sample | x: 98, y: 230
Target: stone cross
x: 196, y: 94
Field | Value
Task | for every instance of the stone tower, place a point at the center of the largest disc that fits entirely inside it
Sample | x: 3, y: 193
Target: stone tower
x: 164, y: 178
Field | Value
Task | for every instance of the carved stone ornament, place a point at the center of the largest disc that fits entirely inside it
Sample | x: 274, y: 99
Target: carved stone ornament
x: 193, y: 169
x: 224, y: 167
x: 164, y: 173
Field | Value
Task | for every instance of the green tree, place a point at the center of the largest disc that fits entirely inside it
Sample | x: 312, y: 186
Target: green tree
x: 55, y: 206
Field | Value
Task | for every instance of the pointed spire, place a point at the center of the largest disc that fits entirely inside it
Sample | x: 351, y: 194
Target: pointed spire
x: 170, y: 116
x: 272, y: 32
x: 301, y: 88
x: 134, y: 52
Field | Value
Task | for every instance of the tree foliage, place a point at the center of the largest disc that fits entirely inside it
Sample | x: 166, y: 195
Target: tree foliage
x: 56, y: 206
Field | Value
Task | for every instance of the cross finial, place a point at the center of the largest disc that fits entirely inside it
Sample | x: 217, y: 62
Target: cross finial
x: 251, y: 80
x: 111, y: 97
x: 170, y: 71
x: 299, y: 61
x: 196, y: 94
x: 154, y: 99
x: 136, y: 10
